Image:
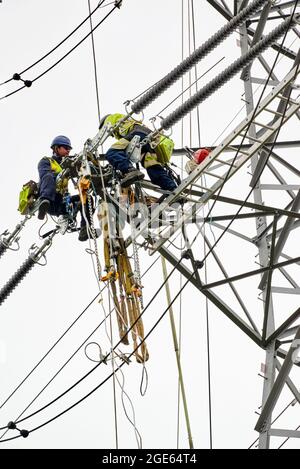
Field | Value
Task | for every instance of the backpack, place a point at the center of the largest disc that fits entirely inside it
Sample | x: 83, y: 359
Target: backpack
x: 28, y: 196
x: 164, y: 149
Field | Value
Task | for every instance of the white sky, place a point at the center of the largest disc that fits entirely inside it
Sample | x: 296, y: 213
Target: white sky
x: 135, y: 47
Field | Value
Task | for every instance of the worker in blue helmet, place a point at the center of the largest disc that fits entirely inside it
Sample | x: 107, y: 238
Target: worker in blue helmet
x: 52, y: 188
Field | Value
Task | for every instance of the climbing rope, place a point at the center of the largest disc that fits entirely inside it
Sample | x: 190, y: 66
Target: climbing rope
x: 109, y: 376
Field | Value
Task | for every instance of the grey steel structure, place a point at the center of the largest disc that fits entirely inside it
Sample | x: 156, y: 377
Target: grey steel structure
x: 270, y: 245
x: 253, y: 140
x: 272, y: 385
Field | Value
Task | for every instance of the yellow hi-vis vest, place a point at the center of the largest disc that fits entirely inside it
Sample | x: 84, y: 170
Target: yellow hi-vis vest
x: 29, y: 192
x: 125, y: 128
x: 61, y: 184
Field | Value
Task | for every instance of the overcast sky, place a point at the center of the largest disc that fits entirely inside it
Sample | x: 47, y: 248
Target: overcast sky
x: 136, y: 46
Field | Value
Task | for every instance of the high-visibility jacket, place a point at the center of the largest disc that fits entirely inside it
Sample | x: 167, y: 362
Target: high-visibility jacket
x: 51, y: 185
x: 61, y: 183
x: 30, y: 190
x: 126, y: 127
x: 163, y: 150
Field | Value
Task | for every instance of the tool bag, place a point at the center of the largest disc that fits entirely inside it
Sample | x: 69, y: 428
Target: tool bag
x: 164, y: 149
x: 28, y: 196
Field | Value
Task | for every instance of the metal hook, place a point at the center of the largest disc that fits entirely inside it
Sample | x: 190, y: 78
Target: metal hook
x: 126, y: 104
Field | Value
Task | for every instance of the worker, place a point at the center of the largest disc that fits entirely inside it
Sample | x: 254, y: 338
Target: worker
x: 53, y: 188
x: 153, y: 160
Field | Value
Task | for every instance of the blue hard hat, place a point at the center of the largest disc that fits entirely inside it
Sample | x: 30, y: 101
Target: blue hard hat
x: 61, y: 140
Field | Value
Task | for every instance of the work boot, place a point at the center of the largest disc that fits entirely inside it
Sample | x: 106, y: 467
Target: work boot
x: 83, y: 233
x: 43, y: 208
x: 131, y: 177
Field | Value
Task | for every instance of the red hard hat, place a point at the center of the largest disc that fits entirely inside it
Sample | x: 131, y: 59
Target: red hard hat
x: 200, y: 155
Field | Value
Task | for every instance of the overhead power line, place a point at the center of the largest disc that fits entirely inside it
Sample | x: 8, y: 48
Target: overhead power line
x: 118, y: 368
x: 63, y: 57
x: 17, y: 76
x: 50, y: 349
x: 3, y: 428
x: 107, y: 356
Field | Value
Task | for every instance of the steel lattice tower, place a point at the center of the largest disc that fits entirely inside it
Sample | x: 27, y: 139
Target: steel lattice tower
x: 272, y: 170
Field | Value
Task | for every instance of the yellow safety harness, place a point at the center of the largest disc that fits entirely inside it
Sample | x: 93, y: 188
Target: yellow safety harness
x: 61, y: 183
